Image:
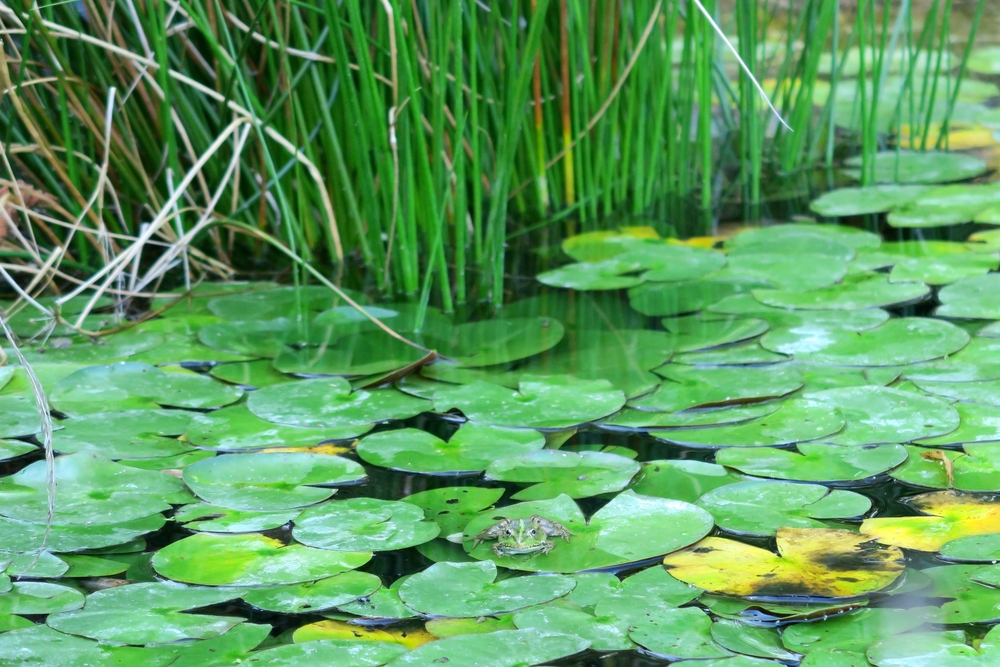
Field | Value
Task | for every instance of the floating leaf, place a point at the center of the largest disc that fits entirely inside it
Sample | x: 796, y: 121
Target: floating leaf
x: 681, y: 479
x: 919, y: 167
x: 935, y: 649
x: 468, y: 590
x: 693, y: 332
x: 409, y: 637
x: 491, y: 342
x: 677, y: 634
x: 690, y: 387
x: 628, y: 529
x: 452, y: 507
x: 553, y: 473
x: 797, y: 420
x: 973, y: 549
x: 762, y: 508
x: 853, y: 631
x: 328, y: 653
x: 364, y: 524
x: 92, y: 490
x: 784, y: 271
x: 11, y: 449
x: 469, y: 450
x: 270, y: 481
x: 974, y: 596
x: 976, y: 298
x: 541, y: 402
x: 751, y: 640
x: 258, y: 373
x: 877, y: 415
x: 42, y: 645
x: 629, y: 419
x: 865, y: 200
x: 330, y: 403
x: 249, y: 560
x: 134, y: 386
x: 980, y: 423
x: 361, y: 353
x: 505, y: 648
x: 609, y: 274
x: 811, y: 562
x: 314, y: 596
x: 604, y: 634
x: 266, y: 304
x: 236, y: 428
x: 985, y: 60
x: 130, y: 434
x: 745, y: 353
x: 214, y: 519
x: 676, y: 298
x: 946, y: 205
x: 26, y: 537
x: 949, y: 515
x: 856, y: 291
x: 985, y: 392
x: 814, y: 462
x: 382, y: 604
x: 147, y: 613
x: 772, y: 235
x: 39, y: 597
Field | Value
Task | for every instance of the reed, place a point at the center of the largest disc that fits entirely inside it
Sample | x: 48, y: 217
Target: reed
x: 416, y: 138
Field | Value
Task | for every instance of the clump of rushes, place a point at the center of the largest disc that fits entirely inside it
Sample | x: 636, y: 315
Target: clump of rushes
x: 416, y: 138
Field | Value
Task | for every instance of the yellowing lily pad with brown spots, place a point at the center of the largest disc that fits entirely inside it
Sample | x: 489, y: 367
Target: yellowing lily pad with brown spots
x: 950, y: 515
x: 811, y: 562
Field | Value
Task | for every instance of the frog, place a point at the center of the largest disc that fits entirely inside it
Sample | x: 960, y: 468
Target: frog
x: 518, y: 537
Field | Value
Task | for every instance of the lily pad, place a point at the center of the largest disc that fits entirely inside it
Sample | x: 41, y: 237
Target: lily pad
x: 976, y: 470
x: 980, y: 423
x: 609, y: 274
x: 470, y: 590
x: 314, y: 596
x: 364, y: 524
x: 91, y: 490
x: 853, y: 631
x: 775, y: 235
x: 784, y: 270
x: 11, y: 449
x: 761, y: 508
x: 974, y: 597
x: 814, y: 462
x: 237, y: 429
x: 147, y: 613
x: 26, y: 537
x: 811, y: 562
x: 878, y: 415
x: 865, y: 200
x: 677, y: 634
x: 470, y: 449
x: 328, y: 653
x: 210, y: 518
x: 855, y: 291
x: 361, y: 353
x: 898, y: 342
x: 330, y: 403
x: 751, y: 640
x: 603, y: 633
x: 130, y: 434
x: 39, y: 597
x: 500, y: 341
x: 642, y: 420
x: 628, y: 529
x: 540, y: 402
x: 946, y: 205
x: 935, y: 649
x: 985, y: 392
x: 913, y: 167
x: 693, y: 332
x: 134, y: 386
x: 44, y: 646
x: 383, y: 604
x: 735, y: 355
x: 681, y: 479
x: 691, y: 387
x: 948, y: 516
x: 553, y: 473
x: 973, y: 549
x: 259, y: 373
x: 270, y: 481
x: 975, y: 298
x: 504, y: 648
x: 20, y: 416
x: 985, y: 60
x: 676, y: 298
x: 250, y: 560
x: 797, y: 420
x: 452, y: 507
x: 266, y: 304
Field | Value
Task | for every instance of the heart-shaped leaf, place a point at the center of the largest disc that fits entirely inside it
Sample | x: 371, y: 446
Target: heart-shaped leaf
x: 330, y: 403
x: 553, y: 473
x: 364, y: 524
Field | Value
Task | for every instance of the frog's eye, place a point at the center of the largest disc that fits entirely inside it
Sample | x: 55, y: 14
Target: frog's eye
x: 532, y: 532
x: 509, y: 532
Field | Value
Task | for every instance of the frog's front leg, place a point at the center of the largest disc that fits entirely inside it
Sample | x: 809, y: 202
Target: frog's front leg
x: 552, y: 528
x: 491, y: 533
x: 547, y: 546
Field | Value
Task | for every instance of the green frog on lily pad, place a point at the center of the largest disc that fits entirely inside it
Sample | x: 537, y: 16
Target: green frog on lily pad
x: 523, y: 536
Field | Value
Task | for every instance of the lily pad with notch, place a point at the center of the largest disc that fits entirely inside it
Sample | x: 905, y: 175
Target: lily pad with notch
x: 749, y: 353
x: 11, y: 449
x: 912, y: 167
x: 979, y: 423
x: 853, y: 631
x: 984, y: 392
x: 880, y: 415
x: 810, y: 563
x: 692, y: 333
x: 784, y: 269
x: 971, y: 590
x: 775, y: 235
x: 504, y: 648
x: 129, y: 434
x: 690, y: 387
x: 364, y: 524
x: 314, y: 596
x: 681, y: 479
x: 452, y: 507
x: 203, y: 517
x: 209, y: 559
x: 643, y: 420
x: 676, y: 298
x: 39, y: 597
x: 977, y: 469
x: 469, y: 450
x: 44, y: 646
x: 629, y: 529
x: 856, y: 291
x: 947, y: 515
x: 28, y: 537
x: 328, y: 653
x: 603, y: 633
x: 865, y: 200
x: 684, y: 633
x: 552, y: 473
x: 948, y: 648
x: 257, y: 373
x: 751, y: 640
x: 814, y: 461
x: 235, y: 428
x: 971, y: 298
x: 270, y: 481
x: 608, y: 274
x: 945, y: 205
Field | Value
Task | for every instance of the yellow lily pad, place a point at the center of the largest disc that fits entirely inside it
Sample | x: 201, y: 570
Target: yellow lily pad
x: 811, y: 562
x: 408, y: 635
x: 950, y: 515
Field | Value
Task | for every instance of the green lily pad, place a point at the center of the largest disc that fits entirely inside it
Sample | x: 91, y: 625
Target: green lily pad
x: 500, y: 341
x: 777, y: 235
x: 677, y: 634
x: 27, y: 537
x: 259, y: 373
x: 970, y: 601
x: 821, y: 378
x: 39, y: 597
x: 797, y: 420
x: 693, y: 387
x: 10, y: 622
x: 553, y: 473
x: 855, y: 291
x: 130, y: 434
x: 270, y: 481
x: 20, y: 416
x: 878, y: 415
x: 361, y: 353
x: 452, y: 507
x: 783, y: 318
x: 235, y: 428
x: 91, y: 490
x: 382, y: 604
x: 540, y: 402
x: 470, y: 449
x: 751, y: 640
x: 986, y: 392
x: 935, y: 649
x: 814, y: 462
x: 134, y: 386
x: 628, y: 529
x: 470, y: 590
x: 328, y: 653
x: 609, y: 274
x: 314, y: 596
x: 11, y: 449
x: 37, y: 566
x: 104, y: 351
x: 985, y: 60
x: 760, y: 508
x: 261, y: 338
x: 973, y: 363
x: 946, y: 205
x: 93, y: 566
x: 147, y: 613
x: 330, y: 403
x: 948, y: 515
x: 681, y: 479
x: 504, y: 648
x: 853, y: 631
x: 784, y: 271
x: 604, y: 634
x: 213, y: 519
x: 266, y: 304
x: 364, y: 524
x: 944, y: 269
x: 973, y: 298
x: 979, y: 423
x: 973, y: 549
x: 642, y: 420
x: 811, y: 562
x: 898, y: 342
x: 693, y: 333
x: 250, y: 560
x: 42, y: 645
x: 735, y: 355
x: 667, y: 299
x: 913, y: 167
x: 865, y: 200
